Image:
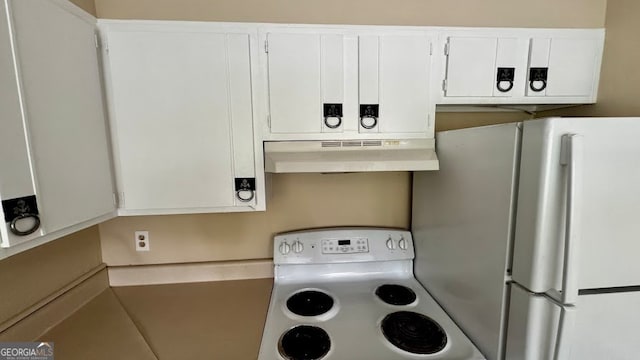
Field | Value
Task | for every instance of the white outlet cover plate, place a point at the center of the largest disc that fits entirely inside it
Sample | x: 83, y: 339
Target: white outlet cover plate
x: 145, y: 234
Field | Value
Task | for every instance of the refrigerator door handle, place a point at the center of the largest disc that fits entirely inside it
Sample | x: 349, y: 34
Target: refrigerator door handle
x: 571, y: 157
x: 562, y: 350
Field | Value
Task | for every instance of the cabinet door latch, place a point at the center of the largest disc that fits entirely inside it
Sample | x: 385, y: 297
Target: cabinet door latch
x: 245, y: 189
x: 18, y: 209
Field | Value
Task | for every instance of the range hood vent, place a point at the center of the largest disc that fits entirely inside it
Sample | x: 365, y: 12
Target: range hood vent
x: 350, y: 156
x: 351, y: 143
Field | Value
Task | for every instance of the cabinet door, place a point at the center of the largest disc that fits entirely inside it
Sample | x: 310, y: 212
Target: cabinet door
x: 64, y: 112
x: 394, y: 78
x: 182, y: 117
x: 306, y: 71
x: 484, y: 67
x: 15, y: 179
x: 470, y: 66
x: 566, y: 66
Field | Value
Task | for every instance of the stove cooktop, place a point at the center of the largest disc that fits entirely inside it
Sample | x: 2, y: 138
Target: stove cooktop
x: 329, y: 309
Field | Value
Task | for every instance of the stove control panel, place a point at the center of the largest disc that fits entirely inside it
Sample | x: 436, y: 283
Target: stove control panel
x: 345, y: 246
x: 342, y: 245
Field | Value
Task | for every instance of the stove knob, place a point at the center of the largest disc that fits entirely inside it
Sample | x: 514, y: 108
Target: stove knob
x: 402, y: 243
x: 297, y: 247
x: 284, y: 248
x: 390, y: 244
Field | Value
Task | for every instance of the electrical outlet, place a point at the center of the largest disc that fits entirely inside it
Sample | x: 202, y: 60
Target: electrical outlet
x: 142, y: 241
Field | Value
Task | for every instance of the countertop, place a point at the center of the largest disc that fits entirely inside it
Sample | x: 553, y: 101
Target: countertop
x: 210, y: 320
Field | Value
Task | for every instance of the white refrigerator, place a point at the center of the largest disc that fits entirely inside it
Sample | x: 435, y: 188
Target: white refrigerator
x: 529, y: 237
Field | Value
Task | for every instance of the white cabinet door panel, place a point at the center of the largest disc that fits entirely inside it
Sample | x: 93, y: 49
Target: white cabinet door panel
x: 369, y: 80
x: 511, y: 54
x: 369, y: 52
x: 470, y: 66
x: 241, y: 105
x: 14, y: 157
x: 241, y: 116
x: 64, y: 112
x: 572, y: 65
x: 171, y: 95
x: 16, y: 180
x: 332, y: 47
x: 332, y: 82
x: 295, y: 83
x: 404, y: 83
x: 538, y: 58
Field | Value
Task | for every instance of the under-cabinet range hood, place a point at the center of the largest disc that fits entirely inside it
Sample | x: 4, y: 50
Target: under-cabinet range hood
x: 350, y: 156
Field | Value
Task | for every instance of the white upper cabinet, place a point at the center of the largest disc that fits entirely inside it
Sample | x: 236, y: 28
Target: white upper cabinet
x: 54, y: 147
x: 367, y: 82
x: 182, y: 117
x: 563, y: 67
x: 347, y: 83
x: 519, y: 66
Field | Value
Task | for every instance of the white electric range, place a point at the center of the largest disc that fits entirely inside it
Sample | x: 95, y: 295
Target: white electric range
x: 350, y: 293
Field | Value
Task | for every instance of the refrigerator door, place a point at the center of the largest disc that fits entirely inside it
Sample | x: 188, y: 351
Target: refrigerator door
x: 600, y: 326
x: 462, y: 228
x: 607, y: 326
x: 605, y: 227
x: 533, y: 326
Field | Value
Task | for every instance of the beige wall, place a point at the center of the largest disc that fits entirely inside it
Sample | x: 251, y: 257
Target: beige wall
x: 298, y: 201
x: 88, y: 5
x: 520, y: 13
x: 315, y: 200
x: 31, y: 276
